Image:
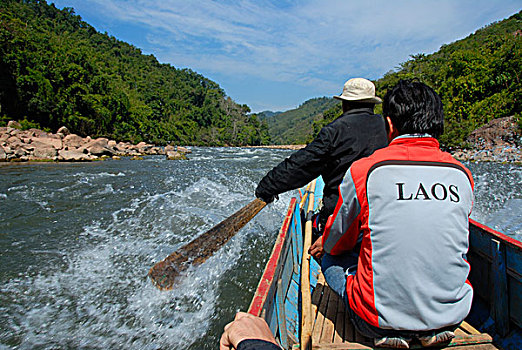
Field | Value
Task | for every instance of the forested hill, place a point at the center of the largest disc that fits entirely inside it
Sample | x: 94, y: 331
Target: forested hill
x: 56, y: 69
x: 478, y: 79
x: 295, y: 126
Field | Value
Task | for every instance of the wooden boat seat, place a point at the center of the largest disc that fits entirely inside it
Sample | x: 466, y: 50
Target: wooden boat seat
x: 333, y: 330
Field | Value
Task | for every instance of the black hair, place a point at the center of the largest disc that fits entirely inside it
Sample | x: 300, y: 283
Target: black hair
x: 413, y: 108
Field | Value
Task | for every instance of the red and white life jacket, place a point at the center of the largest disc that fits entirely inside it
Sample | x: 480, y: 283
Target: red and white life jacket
x: 409, y: 203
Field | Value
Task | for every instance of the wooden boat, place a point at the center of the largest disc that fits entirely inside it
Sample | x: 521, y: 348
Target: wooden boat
x: 284, y: 302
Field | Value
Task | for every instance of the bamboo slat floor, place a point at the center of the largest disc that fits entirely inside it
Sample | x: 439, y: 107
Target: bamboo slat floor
x: 333, y: 330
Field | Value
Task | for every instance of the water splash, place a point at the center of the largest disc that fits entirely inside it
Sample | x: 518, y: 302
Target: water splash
x: 97, y: 295
x: 498, y: 193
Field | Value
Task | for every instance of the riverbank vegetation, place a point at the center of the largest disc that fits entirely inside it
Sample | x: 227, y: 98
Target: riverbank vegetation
x: 478, y: 79
x: 57, y: 70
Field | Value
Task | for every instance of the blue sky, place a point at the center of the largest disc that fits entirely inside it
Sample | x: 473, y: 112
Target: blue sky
x: 274, y: 55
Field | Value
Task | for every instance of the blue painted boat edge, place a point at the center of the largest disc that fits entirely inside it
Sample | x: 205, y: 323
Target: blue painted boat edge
x: 277, y: 295
x: 496, y: 277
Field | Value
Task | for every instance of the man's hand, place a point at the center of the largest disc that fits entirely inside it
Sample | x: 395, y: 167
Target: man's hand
x: 316, y: 250
x: 265, y: 195
x: 245, y: 326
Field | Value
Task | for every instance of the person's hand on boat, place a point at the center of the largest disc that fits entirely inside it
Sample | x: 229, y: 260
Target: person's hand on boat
x: 316, y: 250
x: 245, y: 327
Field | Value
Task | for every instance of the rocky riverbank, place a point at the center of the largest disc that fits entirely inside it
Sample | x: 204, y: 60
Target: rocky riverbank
x: 18, y: 145
x: 498, y: 141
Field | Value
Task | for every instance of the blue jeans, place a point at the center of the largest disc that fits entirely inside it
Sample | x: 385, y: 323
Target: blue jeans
x: 336, y: 268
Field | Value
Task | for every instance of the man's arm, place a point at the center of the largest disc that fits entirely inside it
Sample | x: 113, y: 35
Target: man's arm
x: 297, y: 170
x: 342, y: 229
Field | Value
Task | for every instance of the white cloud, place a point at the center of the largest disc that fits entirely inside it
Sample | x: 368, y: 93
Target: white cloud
x: 313, y: 43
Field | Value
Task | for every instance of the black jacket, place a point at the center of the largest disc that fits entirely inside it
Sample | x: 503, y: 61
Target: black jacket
x: 355, y: 134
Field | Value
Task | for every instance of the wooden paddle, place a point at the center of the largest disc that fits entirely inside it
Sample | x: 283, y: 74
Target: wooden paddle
x: 165, y: 272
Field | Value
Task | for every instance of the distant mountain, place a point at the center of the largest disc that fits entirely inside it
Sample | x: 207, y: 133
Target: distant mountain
x: 478, y: 79
x: 267, y: 114
x: 295, y: 126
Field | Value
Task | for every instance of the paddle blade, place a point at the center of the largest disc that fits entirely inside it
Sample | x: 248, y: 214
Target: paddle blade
x: 166, y: 272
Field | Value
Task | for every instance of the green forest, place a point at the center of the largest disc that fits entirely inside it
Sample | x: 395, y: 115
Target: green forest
x: 57, y: 70
x: 477, y: 78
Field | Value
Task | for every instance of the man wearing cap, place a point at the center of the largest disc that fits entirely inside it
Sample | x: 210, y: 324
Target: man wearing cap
x: 357, y: 133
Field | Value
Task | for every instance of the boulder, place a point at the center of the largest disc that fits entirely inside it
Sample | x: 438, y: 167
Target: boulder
x: 14, y: 124
x: 174, y: 155
x: 143, y: 148
x: 183, y: 149
x: 156, y: 150
x: 122, y: 146
x: 132, y: 152
x: 4, y: 137
x: 43, y: 150
x: 37, y: 133
x: 3, y: 155
x: 112, y: 143
x: 25, y: 139
x: 169, y: 148
x: 101, y: 141
x: 15, y: 148
x: 64, y: 131
x: 99, y: 150
x: 91, y: 143
x: 19, y: 152
x: 13, y: 131
x: 27, y: 148
x: 73, y: 156
x: 98, y: 147
x: 13, y: 140
x: 49, y: 141
x: 73, y: 141
x: 498, y: 132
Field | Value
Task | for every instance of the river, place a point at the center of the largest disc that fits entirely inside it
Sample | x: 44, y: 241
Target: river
x: 77, y: 240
